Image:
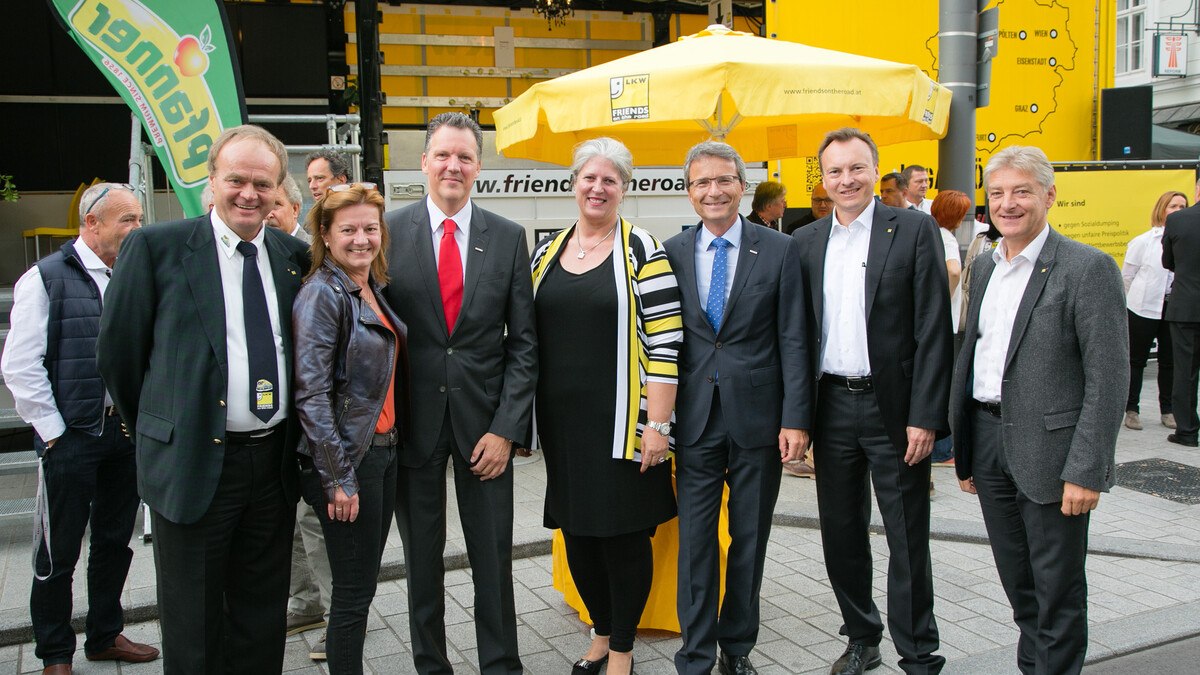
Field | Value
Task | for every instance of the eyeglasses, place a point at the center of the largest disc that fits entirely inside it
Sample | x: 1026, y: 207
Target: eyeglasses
x: 726, y: 181
x: 342, y: 187
x: 824, y: 201
x: 124, y: 186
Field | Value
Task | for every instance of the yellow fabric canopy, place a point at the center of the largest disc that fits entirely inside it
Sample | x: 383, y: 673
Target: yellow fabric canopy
x: 770, y: 99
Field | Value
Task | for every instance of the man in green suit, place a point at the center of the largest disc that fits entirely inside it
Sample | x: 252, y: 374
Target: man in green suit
x: 195, y: 347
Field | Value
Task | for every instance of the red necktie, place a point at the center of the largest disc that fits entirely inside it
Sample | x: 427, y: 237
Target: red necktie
x: 450, y: 274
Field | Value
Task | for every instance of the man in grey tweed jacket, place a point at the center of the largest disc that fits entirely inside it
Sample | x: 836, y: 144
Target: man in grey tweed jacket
x: 1036, y: 403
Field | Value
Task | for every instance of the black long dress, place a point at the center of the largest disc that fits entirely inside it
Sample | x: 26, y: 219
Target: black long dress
x: 588, y: 493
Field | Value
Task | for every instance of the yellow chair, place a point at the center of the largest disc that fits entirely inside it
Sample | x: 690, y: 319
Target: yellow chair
x: 49, y: 234
x: 660, y: 612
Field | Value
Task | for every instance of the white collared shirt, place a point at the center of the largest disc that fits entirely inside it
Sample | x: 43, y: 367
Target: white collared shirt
x: 705, y: 252
x: 1148, y: 280
x: 926, y: 206
x: 462, y: 230
x: 998, y: 313
x: 844, y: 317
x: 23, y: 362
x: 238, y: 414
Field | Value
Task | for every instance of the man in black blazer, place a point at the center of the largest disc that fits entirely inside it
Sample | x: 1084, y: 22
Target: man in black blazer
x: 461, y: 282
x: 879, y: 325
x: 195, y: 347
x: 744, y: 405
x: 1181, y: 254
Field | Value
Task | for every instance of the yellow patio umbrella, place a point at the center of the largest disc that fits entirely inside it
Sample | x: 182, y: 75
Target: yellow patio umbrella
x: 770, y: 99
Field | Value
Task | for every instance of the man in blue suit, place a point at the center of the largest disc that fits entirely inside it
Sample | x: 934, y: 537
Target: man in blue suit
x: 743, y: 409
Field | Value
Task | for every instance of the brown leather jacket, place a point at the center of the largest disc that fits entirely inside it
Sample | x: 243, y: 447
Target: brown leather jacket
x: 345, y: 359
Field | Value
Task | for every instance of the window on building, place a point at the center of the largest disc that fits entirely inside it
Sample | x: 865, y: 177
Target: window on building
x: 1131, y: 25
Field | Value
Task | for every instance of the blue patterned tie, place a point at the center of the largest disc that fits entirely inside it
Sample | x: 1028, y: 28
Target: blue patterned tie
x: 715, y: 307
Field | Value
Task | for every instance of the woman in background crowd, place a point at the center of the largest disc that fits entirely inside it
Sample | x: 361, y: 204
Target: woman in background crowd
x: 948, y: 209
x: 609, y: 334
x: 1147, y: 287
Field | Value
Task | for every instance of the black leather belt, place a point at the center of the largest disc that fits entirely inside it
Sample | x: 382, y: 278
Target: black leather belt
x: 992, y: 409
x: 855, y: 385
x: 252, y: 437
x: 385, y: 440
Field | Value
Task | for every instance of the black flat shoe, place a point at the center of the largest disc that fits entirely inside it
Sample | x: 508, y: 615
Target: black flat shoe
x: 585, y: 667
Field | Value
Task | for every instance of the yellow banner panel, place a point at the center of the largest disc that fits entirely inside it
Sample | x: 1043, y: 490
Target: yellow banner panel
x: 1108, y: 208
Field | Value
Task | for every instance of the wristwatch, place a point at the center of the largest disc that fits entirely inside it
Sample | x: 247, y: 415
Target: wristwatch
x: 663, y: 428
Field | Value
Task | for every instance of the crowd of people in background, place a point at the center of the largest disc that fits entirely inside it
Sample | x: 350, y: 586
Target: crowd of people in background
x: 279, y: 389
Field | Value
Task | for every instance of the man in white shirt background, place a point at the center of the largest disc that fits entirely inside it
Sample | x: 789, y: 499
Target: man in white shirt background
x: 87, y: 464
x: 917, y: 179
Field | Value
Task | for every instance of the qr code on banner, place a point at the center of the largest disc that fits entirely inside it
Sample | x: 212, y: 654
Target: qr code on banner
x: 812, y: 173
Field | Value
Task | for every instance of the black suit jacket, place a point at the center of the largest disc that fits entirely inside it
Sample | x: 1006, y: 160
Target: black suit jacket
x: 1181, y: 253
x: 486, y: 371
x: 760, y: 352
x: 162, y: 354
x: 909, y: 341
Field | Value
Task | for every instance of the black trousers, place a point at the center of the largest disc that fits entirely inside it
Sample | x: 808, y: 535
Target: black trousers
x: 853, y: 451
x: 1040, y: 555
x: 223, y: 580
x: 355, y: 551
x: 701, y: 473
x: 486, y: 512
x: 1142, y: 333
x: 90, y: 481
x: 613, y: 575
x: 1185, y: 337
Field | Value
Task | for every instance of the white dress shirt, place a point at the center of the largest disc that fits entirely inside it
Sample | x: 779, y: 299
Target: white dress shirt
x: 926, y: 206
x: 844, y: 317
x: 23, y: 362
x: 462, y: 231
x: 998, y: 312
x: 950, y: 242
x: 239, y: 416
x: 705, y: 252
x: 1144, y: 274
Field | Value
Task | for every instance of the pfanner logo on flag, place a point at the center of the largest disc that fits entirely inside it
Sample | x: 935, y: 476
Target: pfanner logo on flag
x: 630, y: 96
x: 163, y: 72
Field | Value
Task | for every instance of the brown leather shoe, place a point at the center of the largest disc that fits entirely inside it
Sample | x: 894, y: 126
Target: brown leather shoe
x: 57, y: 669
x: 124, y: 649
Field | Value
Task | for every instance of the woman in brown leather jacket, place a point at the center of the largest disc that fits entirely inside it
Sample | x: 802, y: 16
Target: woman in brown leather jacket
x: 350, y: 357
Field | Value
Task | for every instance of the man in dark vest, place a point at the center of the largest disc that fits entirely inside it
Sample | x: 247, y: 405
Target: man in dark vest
x: 88, y: 474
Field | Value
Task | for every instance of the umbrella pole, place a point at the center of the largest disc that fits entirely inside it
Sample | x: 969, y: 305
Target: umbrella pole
x: 720, y: 130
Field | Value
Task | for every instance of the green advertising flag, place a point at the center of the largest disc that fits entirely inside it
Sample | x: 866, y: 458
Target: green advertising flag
x: 173, y: 64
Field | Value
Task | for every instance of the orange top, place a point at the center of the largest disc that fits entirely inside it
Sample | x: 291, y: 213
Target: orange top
x: 387, y: 417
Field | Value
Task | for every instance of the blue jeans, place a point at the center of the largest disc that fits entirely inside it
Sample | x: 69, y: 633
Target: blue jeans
x: 355, y: 551
x: 89, y: 480
x: 943, y: 450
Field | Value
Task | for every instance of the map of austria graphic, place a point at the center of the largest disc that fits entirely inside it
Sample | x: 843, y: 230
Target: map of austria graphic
x: 630, y: 96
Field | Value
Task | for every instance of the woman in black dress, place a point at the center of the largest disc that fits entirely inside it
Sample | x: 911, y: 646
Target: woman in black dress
x: 609, y: 333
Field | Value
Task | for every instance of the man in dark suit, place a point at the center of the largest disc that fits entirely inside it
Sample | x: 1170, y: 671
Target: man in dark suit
x: 879, y: 321
x: 1181, y: 254
x: 744, y: 405
x: 195, y: 347
x: 461, y: 282
x: 1037, y: 401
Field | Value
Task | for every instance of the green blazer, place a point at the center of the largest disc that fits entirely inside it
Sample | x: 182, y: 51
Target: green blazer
x: 162, y: 354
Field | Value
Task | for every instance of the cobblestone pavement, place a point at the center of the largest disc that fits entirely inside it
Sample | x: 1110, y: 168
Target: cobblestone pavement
x: 1143, y: 573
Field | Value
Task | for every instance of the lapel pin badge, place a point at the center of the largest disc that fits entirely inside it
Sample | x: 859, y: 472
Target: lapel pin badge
x: 889, y: 230
x: 753, y: 251
x: 293, y: 272
x: 1044, y: 270
x: 477, y: 249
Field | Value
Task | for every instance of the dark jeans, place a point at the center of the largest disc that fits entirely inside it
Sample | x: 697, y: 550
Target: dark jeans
x: 223, y: 580
x: 89, y: 481
x: 355, y: 550
x: 1142, y: 332
x: 613, y: 575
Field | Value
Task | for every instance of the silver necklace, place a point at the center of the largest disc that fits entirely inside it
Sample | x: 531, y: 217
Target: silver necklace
x: 579, y: 245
